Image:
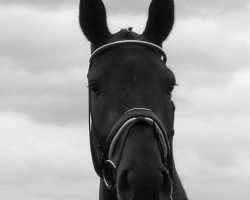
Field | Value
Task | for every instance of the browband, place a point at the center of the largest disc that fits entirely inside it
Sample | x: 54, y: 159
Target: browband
x: 128, y: 42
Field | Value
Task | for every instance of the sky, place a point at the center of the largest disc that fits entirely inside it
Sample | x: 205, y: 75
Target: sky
x: 44, y: 144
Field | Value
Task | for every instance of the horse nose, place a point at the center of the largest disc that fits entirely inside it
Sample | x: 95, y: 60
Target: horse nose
x: 139, y: 184
x: 141, y: 173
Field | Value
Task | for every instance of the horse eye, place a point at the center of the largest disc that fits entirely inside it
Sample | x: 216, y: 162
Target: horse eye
x: 95, y: 89
x: 170, y: 88
x: 173, y: 106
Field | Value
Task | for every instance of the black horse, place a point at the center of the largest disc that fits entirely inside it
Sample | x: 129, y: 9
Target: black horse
x: 130, y: 108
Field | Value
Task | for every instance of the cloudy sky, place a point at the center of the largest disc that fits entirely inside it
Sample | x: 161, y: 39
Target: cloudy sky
x: 44, y: 146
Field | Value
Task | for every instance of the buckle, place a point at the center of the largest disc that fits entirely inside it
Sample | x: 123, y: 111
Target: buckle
x: 109, y: 174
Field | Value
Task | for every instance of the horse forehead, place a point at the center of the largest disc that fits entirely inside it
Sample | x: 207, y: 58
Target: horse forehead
x: 123, y: 61
x: 129, y: 58
x: 133, y: 53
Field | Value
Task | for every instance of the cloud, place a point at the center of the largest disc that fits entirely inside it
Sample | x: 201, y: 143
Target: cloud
x: 54, y: 97
x: 44, y: 60
x: 213, y: 128
x: 183, y: 8
x: 41, y: 40
x: 207, y: 51
x: 209, y: 8
x: 44, y: 161
x: 212, y: 149
x: 138, y: 7
x: 55, y: 4
x: 224, y: 101
x: 44, y: 144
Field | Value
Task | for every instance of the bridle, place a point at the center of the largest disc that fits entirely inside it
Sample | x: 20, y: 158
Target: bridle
x: 104, y: 162
x: 127, y: 42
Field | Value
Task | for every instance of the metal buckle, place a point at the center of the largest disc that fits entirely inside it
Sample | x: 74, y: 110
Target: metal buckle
x: 109, y: 174
x: 143, y: 109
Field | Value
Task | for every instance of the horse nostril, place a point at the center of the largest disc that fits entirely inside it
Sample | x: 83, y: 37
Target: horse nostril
x: 123, y: 181
x: 123, y: 185
x: 140, y: 184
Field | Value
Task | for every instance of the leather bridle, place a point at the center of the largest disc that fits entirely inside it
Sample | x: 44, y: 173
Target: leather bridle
x: 103, y: 154
x: 127, y: 42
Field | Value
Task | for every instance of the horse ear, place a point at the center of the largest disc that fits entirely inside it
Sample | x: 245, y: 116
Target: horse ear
x: 160, y: 20
x: 93, y: 21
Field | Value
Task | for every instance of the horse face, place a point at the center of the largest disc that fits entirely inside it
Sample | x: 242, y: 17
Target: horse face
x: 128, y: 77
x: 121, y: 79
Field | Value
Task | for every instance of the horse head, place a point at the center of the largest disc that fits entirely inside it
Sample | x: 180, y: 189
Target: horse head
x: 130, y: 106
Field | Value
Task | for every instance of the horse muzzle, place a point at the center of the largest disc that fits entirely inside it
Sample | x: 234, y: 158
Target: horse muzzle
x: 118, y: 135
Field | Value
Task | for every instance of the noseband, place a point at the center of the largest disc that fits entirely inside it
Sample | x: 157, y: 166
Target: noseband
x: 105, y: 163
x: 121, y: 129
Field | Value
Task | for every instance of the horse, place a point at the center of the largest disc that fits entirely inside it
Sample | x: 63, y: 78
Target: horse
x: 131, y: 114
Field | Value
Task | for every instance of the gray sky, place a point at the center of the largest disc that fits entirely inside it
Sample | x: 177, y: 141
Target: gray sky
x: 44, y: 144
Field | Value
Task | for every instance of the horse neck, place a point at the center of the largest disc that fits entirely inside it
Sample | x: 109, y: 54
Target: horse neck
x: 178, y: 192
